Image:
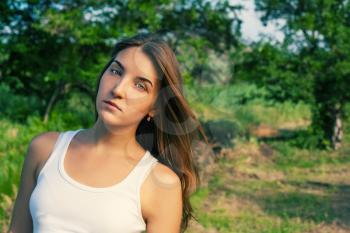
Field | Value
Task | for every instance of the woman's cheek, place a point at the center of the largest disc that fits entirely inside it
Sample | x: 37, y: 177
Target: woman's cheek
x: 136, y: 98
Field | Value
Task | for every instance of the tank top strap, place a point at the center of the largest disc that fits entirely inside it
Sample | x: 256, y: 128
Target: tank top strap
x: 65, y: 138
x: 142, y: 170
x: 56, y: 152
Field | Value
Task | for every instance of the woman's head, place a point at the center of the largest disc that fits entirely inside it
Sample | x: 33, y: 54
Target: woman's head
x: 173, y: 129
x: 130, y: 82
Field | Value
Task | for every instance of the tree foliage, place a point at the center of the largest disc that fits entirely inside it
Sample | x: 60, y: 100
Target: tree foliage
x: 312, y: 64
x: 52, y: 48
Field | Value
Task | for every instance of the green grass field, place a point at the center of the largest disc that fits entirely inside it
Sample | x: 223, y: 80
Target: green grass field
x: 273, y: 184
x: 253, y: 192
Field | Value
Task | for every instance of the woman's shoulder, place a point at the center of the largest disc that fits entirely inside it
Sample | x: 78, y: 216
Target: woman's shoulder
x: 160, y: 181
x: 43, y: 141
x: 162, y: 188
x: 41, y: 146
x: 165, y: 175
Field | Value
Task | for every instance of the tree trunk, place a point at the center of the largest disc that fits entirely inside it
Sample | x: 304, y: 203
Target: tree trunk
x: 52, y: 101
x: 337, y: 128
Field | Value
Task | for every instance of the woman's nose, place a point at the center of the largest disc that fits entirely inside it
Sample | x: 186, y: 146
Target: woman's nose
x: 120, y: 87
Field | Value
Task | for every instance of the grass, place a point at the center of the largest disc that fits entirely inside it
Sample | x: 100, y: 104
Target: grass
x: 222, y: 102
x: 254, y: 194
x: 289, y: 189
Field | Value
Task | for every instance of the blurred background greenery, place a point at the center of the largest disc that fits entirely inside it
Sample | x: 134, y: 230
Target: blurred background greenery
x: 276, y: 112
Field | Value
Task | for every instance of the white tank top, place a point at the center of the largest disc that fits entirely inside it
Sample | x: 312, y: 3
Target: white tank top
x: 59, y: 204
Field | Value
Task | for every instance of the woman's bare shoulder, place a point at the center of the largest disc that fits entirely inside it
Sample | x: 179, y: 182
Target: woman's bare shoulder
x: 161, y: 179
x: 41, y: 147
x: 162, y: 188
x: 162, y: 174
x: 43, y: 142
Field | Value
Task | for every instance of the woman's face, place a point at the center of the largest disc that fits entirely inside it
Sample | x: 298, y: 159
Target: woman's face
x: 130, y: 82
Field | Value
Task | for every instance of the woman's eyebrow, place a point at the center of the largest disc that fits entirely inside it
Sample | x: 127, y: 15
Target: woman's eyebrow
x: 120, y: 64
x: 145, y: 79
x: 123, y: 68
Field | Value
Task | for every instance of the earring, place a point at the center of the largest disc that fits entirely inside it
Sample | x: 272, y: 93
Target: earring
x: 148, y: 118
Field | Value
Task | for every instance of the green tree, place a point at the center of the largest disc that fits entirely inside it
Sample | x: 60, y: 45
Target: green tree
x: 312, y: 64
x: 52, y: 48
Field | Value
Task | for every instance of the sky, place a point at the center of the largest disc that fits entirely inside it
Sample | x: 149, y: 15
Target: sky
x: 252, y: 28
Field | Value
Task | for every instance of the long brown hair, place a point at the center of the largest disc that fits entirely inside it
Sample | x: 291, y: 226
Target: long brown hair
x: 171, y: 133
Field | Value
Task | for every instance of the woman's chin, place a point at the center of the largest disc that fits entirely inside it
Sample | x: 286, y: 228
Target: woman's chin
x: 109, y: 118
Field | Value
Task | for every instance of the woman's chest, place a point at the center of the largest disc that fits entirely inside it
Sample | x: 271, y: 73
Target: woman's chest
x: 56, y: 205
x: 97, y: 170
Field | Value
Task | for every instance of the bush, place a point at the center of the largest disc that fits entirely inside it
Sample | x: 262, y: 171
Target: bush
x: 17, y: 107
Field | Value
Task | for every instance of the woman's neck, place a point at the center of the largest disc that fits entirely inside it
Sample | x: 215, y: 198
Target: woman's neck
x: 119, y: 140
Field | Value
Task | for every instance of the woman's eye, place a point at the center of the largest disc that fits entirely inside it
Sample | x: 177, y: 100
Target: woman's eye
x: 142, y: 85
x: 116, y: 71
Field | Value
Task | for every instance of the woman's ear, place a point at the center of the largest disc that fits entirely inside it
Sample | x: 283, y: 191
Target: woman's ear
x: 153, y: 112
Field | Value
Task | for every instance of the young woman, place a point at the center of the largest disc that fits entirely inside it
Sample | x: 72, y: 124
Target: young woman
x: 132, y: 171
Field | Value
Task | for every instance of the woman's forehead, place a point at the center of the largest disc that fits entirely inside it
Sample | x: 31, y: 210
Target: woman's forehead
x: 135, y: 61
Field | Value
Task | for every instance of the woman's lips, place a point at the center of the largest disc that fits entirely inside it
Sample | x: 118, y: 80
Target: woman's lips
x: 112, y: 104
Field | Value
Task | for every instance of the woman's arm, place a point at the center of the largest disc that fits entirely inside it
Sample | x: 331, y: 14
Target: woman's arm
x: 38, y: 151
x: 163, y: 201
